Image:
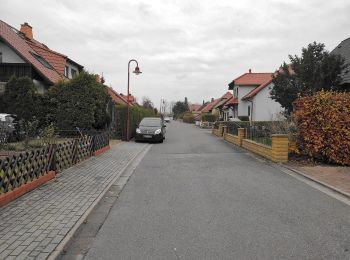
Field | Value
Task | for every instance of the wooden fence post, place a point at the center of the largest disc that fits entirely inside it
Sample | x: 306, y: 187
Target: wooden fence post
x: 52, y: 162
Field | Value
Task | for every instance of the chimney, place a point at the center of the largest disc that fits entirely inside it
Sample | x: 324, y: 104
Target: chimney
x: 26, y: 29
x: 250, y: 70
x: 212, y: 99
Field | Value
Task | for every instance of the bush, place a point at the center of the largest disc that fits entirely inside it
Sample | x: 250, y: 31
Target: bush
x: 80, y: 102
x: 20, y: 98
x: 209, y: 118
x: 323, y: 125
x: 188, y: 118
x: 136, y: 115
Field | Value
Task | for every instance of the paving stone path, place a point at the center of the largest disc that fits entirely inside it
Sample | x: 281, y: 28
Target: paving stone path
x: 32, y: 226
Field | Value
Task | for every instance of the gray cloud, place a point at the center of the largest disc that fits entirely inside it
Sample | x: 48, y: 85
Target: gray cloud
x: 187, y: 48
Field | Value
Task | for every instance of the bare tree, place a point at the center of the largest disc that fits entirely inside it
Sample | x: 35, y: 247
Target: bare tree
x: 147, y: 103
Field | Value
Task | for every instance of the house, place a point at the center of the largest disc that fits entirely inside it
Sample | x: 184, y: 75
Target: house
x: 343, y: 49
x: 218, y: 108
x: 227, y: 108
x: 254, y: 101
x: 118, y: 99
x: 22, y: 55
x: 194, y: 107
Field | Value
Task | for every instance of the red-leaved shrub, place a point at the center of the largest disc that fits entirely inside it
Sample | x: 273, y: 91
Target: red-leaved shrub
x: 323, y: 125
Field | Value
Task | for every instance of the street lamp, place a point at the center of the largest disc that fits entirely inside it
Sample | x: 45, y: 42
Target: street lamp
x: 137, y: 72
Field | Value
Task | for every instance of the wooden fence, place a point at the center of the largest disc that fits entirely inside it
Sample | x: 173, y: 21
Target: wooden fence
x: 25, y: 167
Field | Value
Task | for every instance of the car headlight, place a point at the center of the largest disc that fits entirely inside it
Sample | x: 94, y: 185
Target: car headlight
x: 138, y: 131
x: 158, y: 131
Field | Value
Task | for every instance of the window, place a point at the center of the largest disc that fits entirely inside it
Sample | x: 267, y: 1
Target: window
x: 237, y: 92
x: 248, y: 110
x: 73, y: 72
x: 0, y: 57
x: 42, y: 60
x: 66, y: 71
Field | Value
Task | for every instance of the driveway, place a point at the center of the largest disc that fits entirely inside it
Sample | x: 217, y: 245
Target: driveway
x: 197, y: 197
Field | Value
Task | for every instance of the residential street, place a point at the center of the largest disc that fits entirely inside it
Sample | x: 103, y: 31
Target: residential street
x: 197, y: 197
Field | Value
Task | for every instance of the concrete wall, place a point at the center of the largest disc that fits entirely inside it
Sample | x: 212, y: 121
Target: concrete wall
x: 8, y: 55
x: 265, y: 108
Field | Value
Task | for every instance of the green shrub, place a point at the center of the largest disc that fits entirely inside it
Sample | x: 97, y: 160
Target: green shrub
x: 136, y: 115
x: 209, y: 117
x: 188, y: 118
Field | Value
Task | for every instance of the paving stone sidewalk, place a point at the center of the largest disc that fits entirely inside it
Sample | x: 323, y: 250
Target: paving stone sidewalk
x: 334, y: 176
x: 32, y: 226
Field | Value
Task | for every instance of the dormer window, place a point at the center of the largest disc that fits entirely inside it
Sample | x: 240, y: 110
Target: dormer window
x: 42, y: 60
x: 73, y: 72
x: 66, y: 71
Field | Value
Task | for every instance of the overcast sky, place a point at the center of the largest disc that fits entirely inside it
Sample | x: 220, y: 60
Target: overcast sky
x: 184, y: 47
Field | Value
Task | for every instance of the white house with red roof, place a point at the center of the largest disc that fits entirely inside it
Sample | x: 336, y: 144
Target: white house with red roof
x: 22, y: 55
x: 254, y: 102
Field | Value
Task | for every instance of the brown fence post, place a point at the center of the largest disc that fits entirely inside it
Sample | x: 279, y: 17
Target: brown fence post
x: 52, y: 162
x: 280, y: 147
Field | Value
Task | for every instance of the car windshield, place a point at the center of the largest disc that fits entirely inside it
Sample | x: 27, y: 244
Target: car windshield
x: 150, y: 122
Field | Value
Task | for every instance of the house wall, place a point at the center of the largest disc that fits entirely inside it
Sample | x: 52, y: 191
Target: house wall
x: 8, y: 55
x: 265, y: 108
x: 243, y: 105
x: 71, y: 66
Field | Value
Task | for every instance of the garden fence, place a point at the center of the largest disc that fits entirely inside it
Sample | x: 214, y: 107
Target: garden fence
x: 25, y: 167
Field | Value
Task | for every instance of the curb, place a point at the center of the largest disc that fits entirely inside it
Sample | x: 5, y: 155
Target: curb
x: 60, y: 247
x: 326, y: 185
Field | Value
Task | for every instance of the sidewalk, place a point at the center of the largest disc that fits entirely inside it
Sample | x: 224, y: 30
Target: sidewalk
x: 335, y: 177
x: 32, y: 226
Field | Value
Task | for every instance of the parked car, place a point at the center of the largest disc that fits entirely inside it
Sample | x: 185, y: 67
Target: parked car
x: 167, y: 119
x: 150, y: 129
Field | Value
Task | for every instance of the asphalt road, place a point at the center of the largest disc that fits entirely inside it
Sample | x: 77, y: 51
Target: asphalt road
x: 197, y: 197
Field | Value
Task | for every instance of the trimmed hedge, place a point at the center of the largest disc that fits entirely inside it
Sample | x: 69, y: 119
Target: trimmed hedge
x: 323, y: 124
x: 209, y: 117
x: 188, y: 118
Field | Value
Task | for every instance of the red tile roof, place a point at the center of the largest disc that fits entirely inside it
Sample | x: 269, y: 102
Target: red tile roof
x: 256, y: 90
x: 194, y: 107
x: 260, y: 80
x: 232, y: 101
x: 210, y: 106
x: 118, y: 99
x: 56, y: 60
x: 24, y: 47
x: 248, y: 79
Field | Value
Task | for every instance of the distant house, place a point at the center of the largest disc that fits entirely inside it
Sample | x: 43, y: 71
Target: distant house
x: 194, y: 107
x: 22, y: 55
x: 227, y: 108
x: 118, y: 99
x: 252, y: 91
x: 218, y: 108
x: 343, y: 49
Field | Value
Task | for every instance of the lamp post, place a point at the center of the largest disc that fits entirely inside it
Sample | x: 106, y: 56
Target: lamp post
x: 136, y: 71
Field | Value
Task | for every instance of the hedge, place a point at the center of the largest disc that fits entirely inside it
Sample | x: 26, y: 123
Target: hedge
x: 209, y: 118
x: 188, y: 118
x: 323, y: 124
